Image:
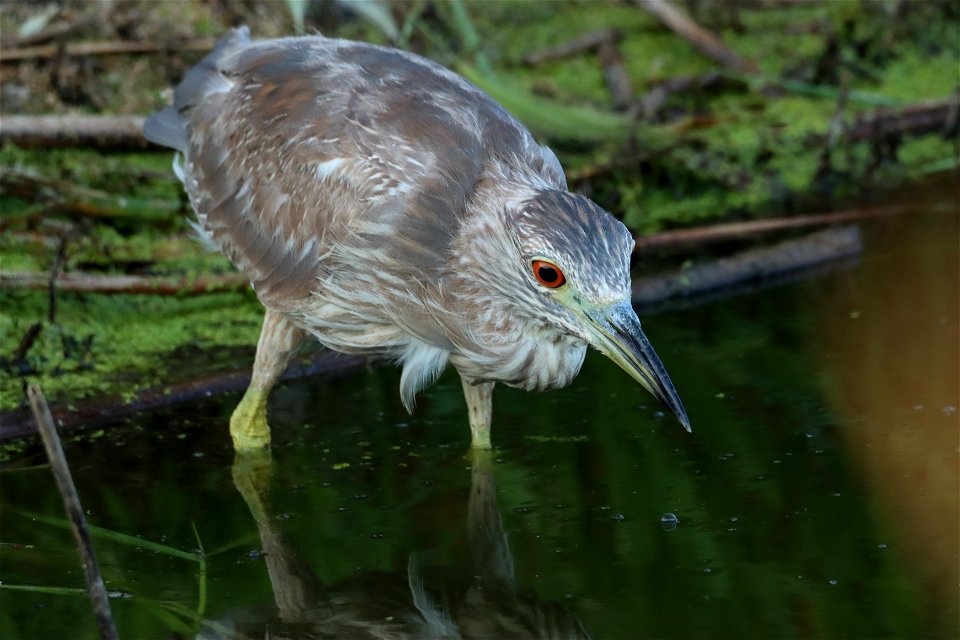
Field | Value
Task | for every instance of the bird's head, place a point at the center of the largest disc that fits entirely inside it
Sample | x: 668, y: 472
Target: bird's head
x: 574, y: 264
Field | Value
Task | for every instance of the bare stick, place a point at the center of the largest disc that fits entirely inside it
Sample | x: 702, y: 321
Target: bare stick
x: 737, y: 230
x: 104, y: 48
x: 916, y: 119
x: 90, y: 283
x: 753, y: 264
x: 46, y: 132
x: 585, y: 43
x: 71, y: 504
x: 701, y: 39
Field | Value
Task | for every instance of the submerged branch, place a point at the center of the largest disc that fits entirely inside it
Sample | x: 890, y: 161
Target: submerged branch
x: 96, y: 590
x: 17, y: 423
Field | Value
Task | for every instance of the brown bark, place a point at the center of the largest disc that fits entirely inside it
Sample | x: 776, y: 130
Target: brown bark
x: 738, y: 230
x: 46, y: 132
x: 103, y: 48
x: 750, y: 265
x: 90, y: 283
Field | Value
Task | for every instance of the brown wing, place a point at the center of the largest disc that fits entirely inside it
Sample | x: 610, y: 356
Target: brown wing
x: 311, y: 159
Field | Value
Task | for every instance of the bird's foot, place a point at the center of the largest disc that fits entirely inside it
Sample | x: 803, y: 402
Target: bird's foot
x: 248, y: 424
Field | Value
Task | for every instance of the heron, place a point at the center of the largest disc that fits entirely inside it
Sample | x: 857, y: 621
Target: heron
x: 385, y: 206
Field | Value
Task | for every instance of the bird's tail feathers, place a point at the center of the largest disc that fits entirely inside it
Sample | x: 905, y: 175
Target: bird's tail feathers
x: 168, y: 127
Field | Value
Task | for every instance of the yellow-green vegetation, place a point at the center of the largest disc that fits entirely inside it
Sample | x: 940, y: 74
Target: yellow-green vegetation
x: 737, y: 145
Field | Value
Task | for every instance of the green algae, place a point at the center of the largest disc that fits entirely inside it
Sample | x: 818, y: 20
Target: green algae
x: 116, y: 344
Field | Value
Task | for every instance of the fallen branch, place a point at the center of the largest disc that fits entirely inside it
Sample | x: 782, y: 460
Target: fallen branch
x: 46, y: 132
x: 753, y: 264
x: 103, y: 48
x: 738, y: 230
x: 18, y: 423
x: 96, y: 590
x: 92, y: 283
x: 701, y: 39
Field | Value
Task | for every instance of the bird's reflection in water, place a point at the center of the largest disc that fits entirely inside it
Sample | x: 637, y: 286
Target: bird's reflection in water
x: 483, y: 601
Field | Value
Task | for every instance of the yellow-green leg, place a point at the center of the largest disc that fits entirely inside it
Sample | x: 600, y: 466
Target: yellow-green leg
x: 279, y: 340
x: 480, y: 409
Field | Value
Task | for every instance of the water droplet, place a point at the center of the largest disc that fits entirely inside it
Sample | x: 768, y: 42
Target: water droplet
x: 949, y: 410
x: 881, y: 546
x: 376, y: 535
x: 707, y: 570
x: 918, y: 407
x: 669, y: 521
x: 659, y: 415
x: 833, y: 582
x: 619, y: 517
x: 285, y: 516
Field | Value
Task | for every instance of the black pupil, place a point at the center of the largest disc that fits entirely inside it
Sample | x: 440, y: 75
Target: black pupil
x: 548, y: 274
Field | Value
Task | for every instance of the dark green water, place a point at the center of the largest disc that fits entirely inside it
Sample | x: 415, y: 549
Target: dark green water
x: 816, y: 497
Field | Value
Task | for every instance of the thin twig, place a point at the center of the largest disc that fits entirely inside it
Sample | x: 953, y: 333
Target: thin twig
x: 103, y: 48
x: 26, y: 342
x: 71, y: 504
x: 701, y: 39
x: 585, y: 43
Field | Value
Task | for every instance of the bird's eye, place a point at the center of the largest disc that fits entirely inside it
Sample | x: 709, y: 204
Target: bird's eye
x: 548, y: 274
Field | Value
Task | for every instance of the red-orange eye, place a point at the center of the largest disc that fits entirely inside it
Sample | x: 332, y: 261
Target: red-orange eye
x: 547, y: 274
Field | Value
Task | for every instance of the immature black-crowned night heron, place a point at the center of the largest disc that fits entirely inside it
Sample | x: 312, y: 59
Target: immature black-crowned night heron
x: 384, y: 205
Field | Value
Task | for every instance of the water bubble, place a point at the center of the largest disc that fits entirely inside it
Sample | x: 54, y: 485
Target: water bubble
x: 707, y: 570
x: 669, y: 521
x: 833, y: 582
x: 949, y: 410
x: 881, y: 546
x: 619, y: 517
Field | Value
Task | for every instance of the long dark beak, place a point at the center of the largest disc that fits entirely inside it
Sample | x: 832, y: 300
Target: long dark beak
x: 618, y: 336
